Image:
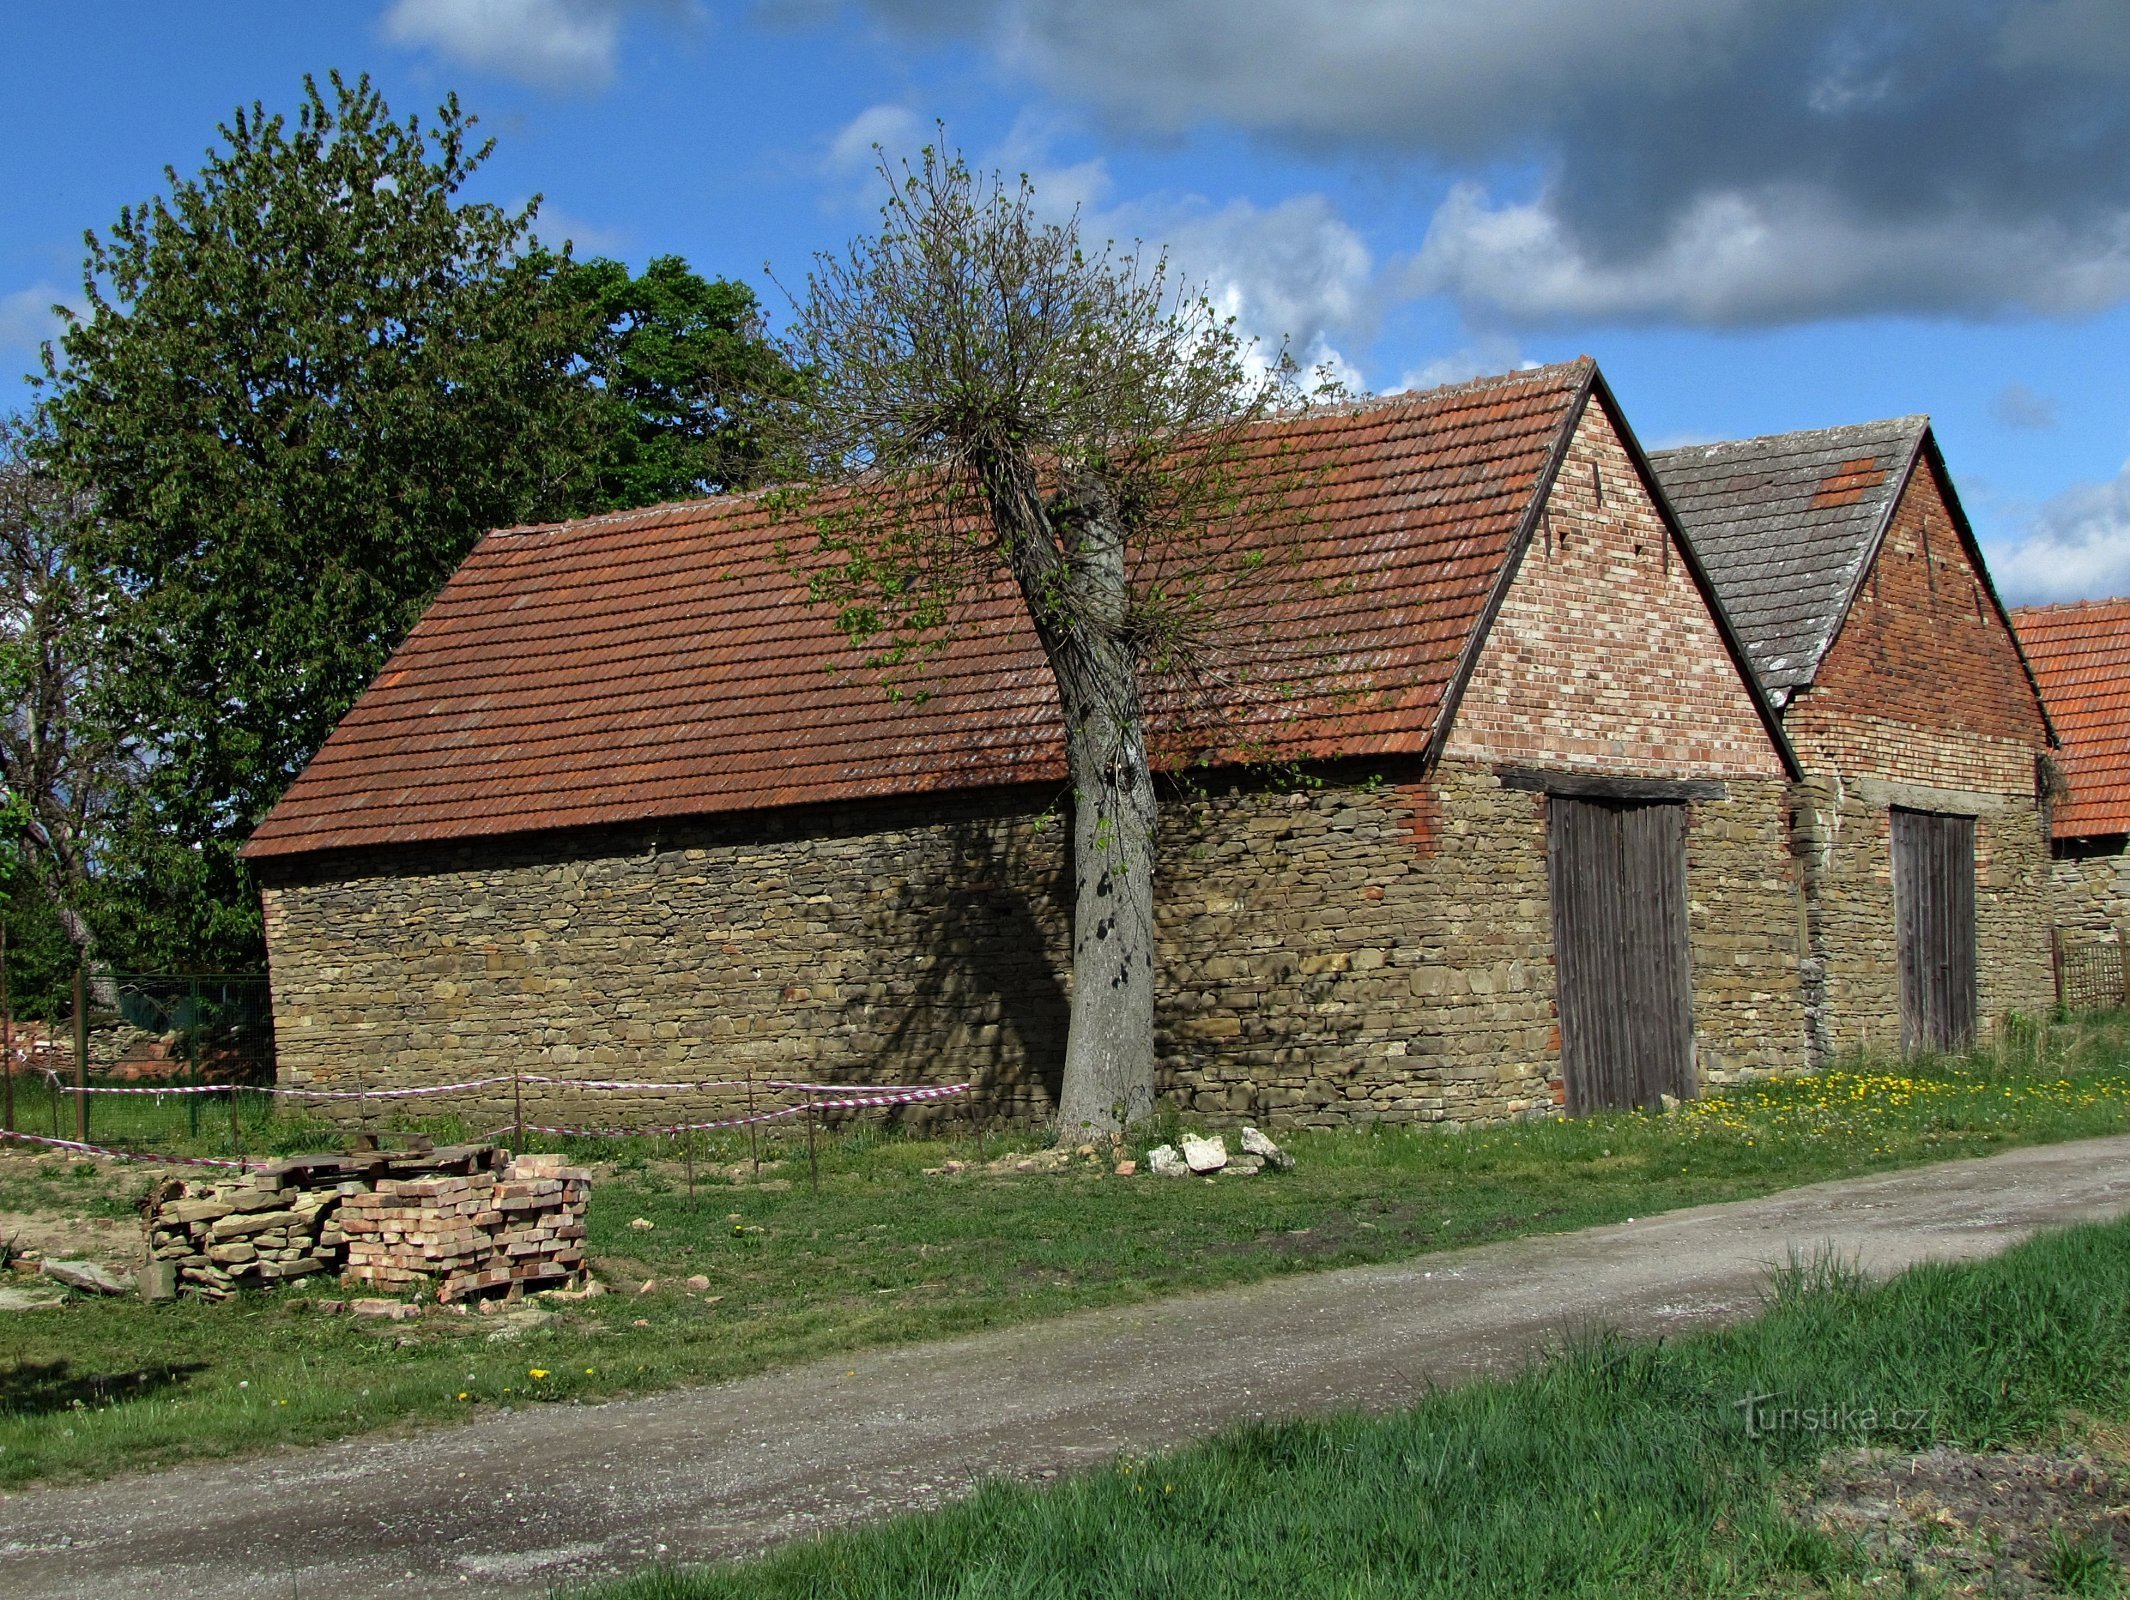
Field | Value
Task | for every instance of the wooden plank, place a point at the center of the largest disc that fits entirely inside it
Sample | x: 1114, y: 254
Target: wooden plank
x: 1934, y: 928
x: 1599, y: 786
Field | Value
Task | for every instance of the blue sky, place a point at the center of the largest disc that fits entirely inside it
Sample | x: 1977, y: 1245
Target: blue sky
x: 1757, y: 214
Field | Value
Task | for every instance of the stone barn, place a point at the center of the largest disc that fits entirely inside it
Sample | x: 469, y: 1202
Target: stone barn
x: 625, y: 803
x: 2081, y: 655
x: 1844, y: 559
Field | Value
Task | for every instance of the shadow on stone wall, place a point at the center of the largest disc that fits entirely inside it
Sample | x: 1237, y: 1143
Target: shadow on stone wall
x: 989, y: 904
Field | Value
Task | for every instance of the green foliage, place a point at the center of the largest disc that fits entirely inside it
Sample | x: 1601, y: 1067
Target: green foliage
x: 684, y: 374
x: 308, y: 379
x: 40, y: 960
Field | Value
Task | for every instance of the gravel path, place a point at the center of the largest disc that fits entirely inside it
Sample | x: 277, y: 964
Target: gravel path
x: 516, y: 1505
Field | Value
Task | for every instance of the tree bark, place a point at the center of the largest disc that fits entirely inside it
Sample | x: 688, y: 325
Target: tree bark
x: 1068, y: 557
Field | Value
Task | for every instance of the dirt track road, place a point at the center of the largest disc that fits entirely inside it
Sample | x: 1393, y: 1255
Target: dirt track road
x: 514, y: 1505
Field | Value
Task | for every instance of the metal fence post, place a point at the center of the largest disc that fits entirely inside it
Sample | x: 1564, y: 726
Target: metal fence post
x: 517, y: 1113
x: 754, y: 1141
x: 81, y: 1051
x: 192, y: 1060
x: 813, y: 1162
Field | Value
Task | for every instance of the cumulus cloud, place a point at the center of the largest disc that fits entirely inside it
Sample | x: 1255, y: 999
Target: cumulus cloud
x: 554, y: 44
x: 555, y: 227
x: 1294, y: 274
x: 2078, y: 545
x: 1778, y: 254
x: 1719, y: 161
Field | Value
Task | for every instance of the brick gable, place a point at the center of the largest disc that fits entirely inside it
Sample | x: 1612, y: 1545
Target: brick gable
x: 1604, y: 655
x: 1922, y: 654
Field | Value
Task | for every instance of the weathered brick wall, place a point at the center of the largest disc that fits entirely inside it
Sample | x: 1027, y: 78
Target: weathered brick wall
x: 1604, y: 657
x: 1921, y: 702
x: 1365, y: 950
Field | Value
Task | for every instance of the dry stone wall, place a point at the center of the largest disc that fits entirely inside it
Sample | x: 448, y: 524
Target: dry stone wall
x: 1377, y: 946
x: 2089, y: 885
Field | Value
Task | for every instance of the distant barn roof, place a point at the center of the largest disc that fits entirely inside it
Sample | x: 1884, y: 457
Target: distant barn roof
x: 1786, y: 525
x: 668, y: 662
x: 2080, y: 654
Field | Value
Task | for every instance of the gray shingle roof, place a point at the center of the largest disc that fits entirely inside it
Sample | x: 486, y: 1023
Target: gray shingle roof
x: 1785, y: 525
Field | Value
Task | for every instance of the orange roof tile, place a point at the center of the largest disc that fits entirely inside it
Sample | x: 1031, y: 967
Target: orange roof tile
x: 2081, y: 658
x: 667, y: 662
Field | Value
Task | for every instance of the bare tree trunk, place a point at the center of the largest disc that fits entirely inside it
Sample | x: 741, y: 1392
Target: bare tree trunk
x: 1069, y: 560
x: 1109, y: 1048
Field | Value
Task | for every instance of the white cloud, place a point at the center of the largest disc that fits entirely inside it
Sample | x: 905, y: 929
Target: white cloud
x: 26, y: 317
x: 1293, y: 274
x: 898, y: 131
x: 554, y: 44
x: 2077, y: 546
x: 554, y: 226
x: 1480, y: 357
x: 1776, y: 254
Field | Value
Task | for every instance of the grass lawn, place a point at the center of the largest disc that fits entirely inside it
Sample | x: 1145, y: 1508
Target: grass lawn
x: 887, y: 1253
x: 1613, y: 1470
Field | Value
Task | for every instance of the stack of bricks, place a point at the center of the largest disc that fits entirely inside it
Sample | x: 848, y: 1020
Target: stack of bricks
x: 246, y: 1232
x: 520, y: 1228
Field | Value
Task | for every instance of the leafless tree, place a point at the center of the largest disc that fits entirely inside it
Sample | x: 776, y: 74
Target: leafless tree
x: 995, y: 405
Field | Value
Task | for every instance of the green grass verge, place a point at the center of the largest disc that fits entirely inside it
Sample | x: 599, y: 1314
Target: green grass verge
x: 1615, y: 1469
x: 887, y: 1254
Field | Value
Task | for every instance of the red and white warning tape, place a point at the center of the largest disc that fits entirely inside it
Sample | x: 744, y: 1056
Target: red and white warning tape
x: 886, y: 1097
x: 79, y: 1148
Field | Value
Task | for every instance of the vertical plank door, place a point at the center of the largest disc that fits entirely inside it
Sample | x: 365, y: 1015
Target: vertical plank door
x: 1934, y: 926
x: 1623, y: 978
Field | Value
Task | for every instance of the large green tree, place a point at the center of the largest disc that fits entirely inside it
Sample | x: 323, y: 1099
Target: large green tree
x: 685, y: 376
x: 306, y: 380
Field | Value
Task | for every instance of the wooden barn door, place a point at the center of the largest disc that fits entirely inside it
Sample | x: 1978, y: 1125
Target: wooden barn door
x: 1618, y: 877
x: 1934, y: 922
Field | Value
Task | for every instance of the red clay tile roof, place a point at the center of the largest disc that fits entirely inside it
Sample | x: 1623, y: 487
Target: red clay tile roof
x: 2080, y: 654
x: 666, y: 662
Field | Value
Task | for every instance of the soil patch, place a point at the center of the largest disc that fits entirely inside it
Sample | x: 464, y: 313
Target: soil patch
x: 1961, y: 1524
